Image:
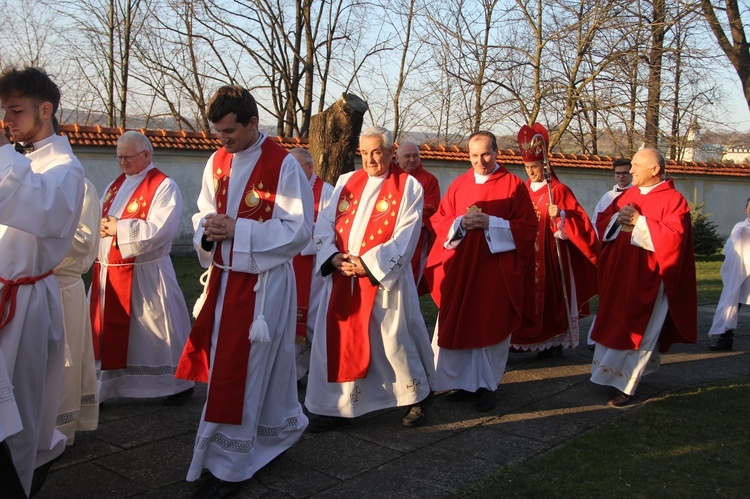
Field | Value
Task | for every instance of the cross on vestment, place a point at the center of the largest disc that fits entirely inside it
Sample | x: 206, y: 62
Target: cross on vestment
x: 414, y: 385
x: 354, y: 396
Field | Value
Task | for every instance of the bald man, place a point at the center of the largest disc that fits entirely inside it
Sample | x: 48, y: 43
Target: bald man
x: 647, y: 231
x: 309, y: 284
x: 409, y: 160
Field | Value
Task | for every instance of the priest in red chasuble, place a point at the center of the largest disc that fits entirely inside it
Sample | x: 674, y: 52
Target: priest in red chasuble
x: 409, y: 160
x: 563, y: 224
x: 309, y: 284
x: 647, y: 288
x: 371, y: 349
x: 485, y: 227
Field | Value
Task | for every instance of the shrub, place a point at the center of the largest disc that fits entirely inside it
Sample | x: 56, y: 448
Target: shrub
x: 706, y: 240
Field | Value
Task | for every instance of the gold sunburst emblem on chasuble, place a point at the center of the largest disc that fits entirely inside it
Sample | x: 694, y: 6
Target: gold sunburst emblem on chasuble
x: 252, y: 198
x: 133, y: 207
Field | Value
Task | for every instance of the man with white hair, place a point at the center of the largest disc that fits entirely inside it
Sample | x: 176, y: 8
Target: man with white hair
x: 653, y: 305
x: 371, y: 349
x: 138, y: 314
x: 309, y: 284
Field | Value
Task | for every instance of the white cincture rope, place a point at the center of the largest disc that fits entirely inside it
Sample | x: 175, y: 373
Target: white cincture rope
x: 134, y: 264
x: 259, y: 330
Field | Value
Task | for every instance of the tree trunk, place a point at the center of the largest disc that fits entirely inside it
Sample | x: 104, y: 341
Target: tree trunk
x: 334, y: 137
x: 651, y: 135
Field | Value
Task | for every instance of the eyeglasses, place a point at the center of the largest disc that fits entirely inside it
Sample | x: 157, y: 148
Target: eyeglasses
x: 621, y: 174
x: 127, y: 158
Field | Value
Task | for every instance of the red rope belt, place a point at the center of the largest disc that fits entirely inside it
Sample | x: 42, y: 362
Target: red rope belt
x: 8, y: 298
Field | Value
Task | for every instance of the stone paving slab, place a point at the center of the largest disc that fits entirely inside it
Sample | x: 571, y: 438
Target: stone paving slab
x: 143, y: 449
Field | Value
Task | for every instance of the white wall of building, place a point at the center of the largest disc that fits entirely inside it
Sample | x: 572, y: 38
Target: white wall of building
x: 724, y: 197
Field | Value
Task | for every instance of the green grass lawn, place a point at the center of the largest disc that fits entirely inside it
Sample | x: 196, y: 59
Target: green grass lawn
x: 690, y: 444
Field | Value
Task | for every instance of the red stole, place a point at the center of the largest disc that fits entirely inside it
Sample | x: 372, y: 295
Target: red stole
x: 226, y: 395
x: 303, y: 267
x: 111, y: 327
x: 352, y: 298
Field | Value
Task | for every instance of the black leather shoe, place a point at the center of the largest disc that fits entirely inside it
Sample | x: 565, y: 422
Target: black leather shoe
x: 321, y: 424
x: 179, y: 398
x: 620, y: 400
x: 485, y: 401
x: 417, y: 413
x: 216, y: 489
x: 458, y: 395
x: 724, y: 342
x: 550, y: 353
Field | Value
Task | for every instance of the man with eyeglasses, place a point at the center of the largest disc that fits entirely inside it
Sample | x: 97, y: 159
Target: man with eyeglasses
x: 309, y: 283
x: 139, y: 318
x: 623, y: 180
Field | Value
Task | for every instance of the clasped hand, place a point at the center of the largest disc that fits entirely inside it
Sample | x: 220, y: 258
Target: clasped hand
x: 348, y: 265
x: 218, y: 227
x: 475, y: 220
x: 628, y: 215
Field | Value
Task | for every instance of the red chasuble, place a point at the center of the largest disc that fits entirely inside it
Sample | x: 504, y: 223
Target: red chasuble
x: 480, y: 294
x: 226, y: 394
x: 303, y: 266
x: 110, y: 327
x: 629, y: 277
x: 545, y: 304
x: 352, y: 298
x: 431, y: 189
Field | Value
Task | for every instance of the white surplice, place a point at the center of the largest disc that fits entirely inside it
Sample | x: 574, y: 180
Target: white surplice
x: 272, y: 415
x: 316, y: 289
x: 623, y: 369
x: 40, y: 205
x: 79, y: 406
x: 735, y: 278
x: 401, y: 364
x: 159, y: 320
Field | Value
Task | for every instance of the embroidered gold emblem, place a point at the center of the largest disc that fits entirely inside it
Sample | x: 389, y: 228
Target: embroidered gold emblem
x: 343, y: 205
x: 260, y: 185
x: 107, y: 197
x: 218, y: 171
x: 252, y: 199
x: 133, y: 207
x: 381, y: 206
x: 268, y: 208
x: 216, y: 184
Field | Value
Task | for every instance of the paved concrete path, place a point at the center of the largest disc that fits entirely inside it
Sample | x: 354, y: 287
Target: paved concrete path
x: 142, y: 448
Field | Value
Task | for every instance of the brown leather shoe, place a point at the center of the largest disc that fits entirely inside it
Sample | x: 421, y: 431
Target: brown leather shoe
x: 620, y: 400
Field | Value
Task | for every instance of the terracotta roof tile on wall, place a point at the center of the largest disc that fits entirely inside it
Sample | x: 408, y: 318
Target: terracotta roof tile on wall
x: 98, y: 136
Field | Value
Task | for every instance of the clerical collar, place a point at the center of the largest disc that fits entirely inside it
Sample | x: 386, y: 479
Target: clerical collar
x: 29, y: 147
x: 480, y: 178
x: 535, y: 186
x: 617, y: 188
x: 141, y: 173
x: 646, y: 190
x: 41, y: 143
x: 382, y: 175
x: 253, y: 147
x: 312, y: 179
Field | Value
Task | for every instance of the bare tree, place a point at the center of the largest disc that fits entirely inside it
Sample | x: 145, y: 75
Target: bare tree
x: 738, y: 49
